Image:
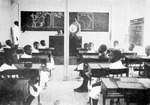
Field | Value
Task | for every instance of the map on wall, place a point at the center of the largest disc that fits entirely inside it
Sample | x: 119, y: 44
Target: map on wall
x: 86, y: 20
x: 91, y: 21
x: 136, y: 30
x: 42, y: 21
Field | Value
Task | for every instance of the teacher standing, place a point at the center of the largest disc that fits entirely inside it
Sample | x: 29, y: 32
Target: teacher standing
x: 74, y: 39
x: 15, y: 34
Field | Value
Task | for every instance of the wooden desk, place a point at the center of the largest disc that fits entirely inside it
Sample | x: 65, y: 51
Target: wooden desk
x: 145, y: 59
x: 136, y: 86
x: 87, y: 53
x: 147, y: 69
x: 136, y: 59
x: 93, y: 59
x: 98, y: 65
x: 136, y: 62
x: 35, y: 60
x: 16, y: 83
x: 2, y: 56
x: 82, y: 50
x: 84, y: 55
x: 34, y: 66
x: 98, y: 69
x: 90, y: 56
x: 129, y: 53
x: 47, y: 50
x: 14, y: 90
x: 132, y: 59
x: 41, y: 55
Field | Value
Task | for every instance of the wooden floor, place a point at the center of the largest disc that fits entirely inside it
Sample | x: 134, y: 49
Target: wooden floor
x: 60, y: 92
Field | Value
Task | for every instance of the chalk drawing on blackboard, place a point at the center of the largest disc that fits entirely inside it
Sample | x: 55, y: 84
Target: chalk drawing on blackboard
x: 37, y: 19
x: 91, y: 21
x: 42, y: 20
x: 86, y: 20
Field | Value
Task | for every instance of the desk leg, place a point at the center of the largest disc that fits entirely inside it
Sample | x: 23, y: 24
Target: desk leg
x: 39, y: 94
x: 39, y: 100
x: 103, y: 98
x: 103, y: 92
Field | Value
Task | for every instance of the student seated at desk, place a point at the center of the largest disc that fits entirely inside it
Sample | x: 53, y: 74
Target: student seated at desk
x: 50, y: 64
x: 33, y: 85
x: 131, y: 47
x: 115, y: 63
x: 147, y: 50
x: 27, y: 52
x: 91, y: 48
x: 8, y: 44
x: 102, y: 51
x: 80, y: 65
x: 86, y: 46
x: 43, y: 44
x: 35, y: 47
x: 84, y: 49
x: 85, y: 73
x: 9, y: 63
x: 116, y: 45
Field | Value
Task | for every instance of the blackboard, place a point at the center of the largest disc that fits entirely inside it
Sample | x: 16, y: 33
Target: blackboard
x: 53, y: 21
x: 42, y: 21
x: 91, y: 21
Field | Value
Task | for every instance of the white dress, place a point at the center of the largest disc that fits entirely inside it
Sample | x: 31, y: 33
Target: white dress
x: 15, y: 34
x: 6, y: 66
x: 26, y: 56
x: 35, y: 50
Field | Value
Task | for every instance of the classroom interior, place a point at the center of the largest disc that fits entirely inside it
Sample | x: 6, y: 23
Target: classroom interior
x: 61, y: 85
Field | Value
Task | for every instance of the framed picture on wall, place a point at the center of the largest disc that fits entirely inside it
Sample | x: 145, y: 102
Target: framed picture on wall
x: 42, y: 21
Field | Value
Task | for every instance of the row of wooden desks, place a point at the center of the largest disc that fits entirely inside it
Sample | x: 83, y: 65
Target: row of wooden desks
x: 23, y: 74
x: 27, y: 68
x: 129, y: 59
x: 102, y: 70
x: 138, y: 87
x: 128, y: 86
x: 136, y: 59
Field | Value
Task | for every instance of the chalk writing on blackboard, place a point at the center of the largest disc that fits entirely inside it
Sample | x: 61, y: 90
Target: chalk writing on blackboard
x: 42, y: 20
